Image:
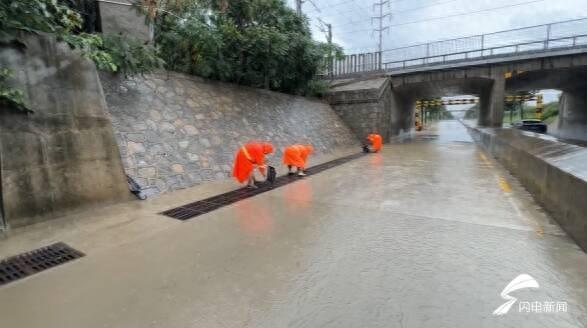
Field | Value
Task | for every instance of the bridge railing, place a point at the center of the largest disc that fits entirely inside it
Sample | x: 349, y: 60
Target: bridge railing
x: 539, y: 38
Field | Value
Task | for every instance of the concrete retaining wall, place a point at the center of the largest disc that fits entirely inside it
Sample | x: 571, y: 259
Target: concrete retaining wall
x: 64, y: 156
x: 176, y: 131
x: 553, y: 172
x: 120, y: 17
x: 365, y: 106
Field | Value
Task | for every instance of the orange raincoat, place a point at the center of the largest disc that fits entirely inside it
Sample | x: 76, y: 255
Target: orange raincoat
x: 247, y: 157
x: 297, y: 155
x: 375, y: 140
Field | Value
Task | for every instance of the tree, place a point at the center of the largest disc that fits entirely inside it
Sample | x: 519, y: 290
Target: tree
x: 112, y: 53
x: 261, y: 43
x: 517, y: 105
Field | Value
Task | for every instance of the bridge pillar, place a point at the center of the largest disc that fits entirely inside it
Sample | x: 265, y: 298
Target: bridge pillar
x: 401, y: 108
x: 572, y: 120
x: 491, y: 102
x: 364, y: 106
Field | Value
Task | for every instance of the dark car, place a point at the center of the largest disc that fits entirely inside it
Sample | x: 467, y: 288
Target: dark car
x: 533, y: 125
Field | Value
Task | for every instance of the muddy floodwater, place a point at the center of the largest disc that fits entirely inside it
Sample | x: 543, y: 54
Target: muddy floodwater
x: 427, y: 233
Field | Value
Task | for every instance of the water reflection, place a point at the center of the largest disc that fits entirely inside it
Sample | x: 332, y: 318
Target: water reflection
x: 298, y: 195
x: 254, y: 218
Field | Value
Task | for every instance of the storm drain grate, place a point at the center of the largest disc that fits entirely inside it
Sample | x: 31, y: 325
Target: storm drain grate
x: 29, y: 263
x: 204, y: 206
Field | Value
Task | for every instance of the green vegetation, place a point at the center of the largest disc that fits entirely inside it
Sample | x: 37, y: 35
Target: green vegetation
x: 116, y: 53
x: 549, y: 113
x: 37, y: 15
x: 512, y: 114
x: 260, y: 43
x: 439, y: 113
x: 92, y: 47
x: 515, y: 111
x: 9, y: 96
x: 111, y: 53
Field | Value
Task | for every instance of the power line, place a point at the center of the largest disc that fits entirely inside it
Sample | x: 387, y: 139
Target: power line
x: 403, y: 10
x: 461, y: 37
x: 337, y: 14
x: 395, y: 12
x: 469, y: 13
x: 299, y: 4
x: 424, y: 7
x: 454, y: 15
x: 349, y: 1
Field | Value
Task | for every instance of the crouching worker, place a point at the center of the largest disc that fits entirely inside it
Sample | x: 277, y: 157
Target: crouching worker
x: 376, y: 142
x: 296, y: 156
x: 249, y: 157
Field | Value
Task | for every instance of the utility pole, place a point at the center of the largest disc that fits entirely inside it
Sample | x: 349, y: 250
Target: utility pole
x: 299, y: 4
x: 380, y: 17
x: 299, y: 7
x: 327, y: 28
x: 329, y: 38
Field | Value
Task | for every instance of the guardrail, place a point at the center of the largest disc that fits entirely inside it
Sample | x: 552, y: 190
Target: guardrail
x: 532, y: 39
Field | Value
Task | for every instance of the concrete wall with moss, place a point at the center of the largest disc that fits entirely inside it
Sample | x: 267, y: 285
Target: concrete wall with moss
x: 177, y: 131
x: 64, y: 156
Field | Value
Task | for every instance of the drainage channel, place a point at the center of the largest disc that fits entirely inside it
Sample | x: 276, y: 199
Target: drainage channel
x: 29, y: 263
x: 207, y: 205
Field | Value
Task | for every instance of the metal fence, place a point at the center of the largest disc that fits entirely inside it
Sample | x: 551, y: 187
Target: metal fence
x: 540, y: 38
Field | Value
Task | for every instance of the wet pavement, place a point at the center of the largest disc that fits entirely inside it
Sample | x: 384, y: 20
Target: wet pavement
x: 426, y: 234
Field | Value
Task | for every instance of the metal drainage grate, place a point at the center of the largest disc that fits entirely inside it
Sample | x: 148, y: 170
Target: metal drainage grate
x: 204, y: 206
x: 29, y: 263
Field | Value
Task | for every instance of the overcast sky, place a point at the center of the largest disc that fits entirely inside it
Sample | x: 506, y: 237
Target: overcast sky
x: 420, y: 21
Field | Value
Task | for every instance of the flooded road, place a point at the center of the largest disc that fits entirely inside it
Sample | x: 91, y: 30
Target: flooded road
x: 427, y: 233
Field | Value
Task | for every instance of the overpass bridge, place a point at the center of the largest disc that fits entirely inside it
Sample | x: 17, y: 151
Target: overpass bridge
x: 379, y: 91
x: 505, y: 46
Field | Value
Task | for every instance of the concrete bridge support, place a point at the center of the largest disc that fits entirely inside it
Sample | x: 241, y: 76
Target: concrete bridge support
x: 365, y: 106
x: 565, y: 69
x: 387, y: 105
x: 492, y: 104
x: 401, y: 111
x: 572, y: 121
x: 488, y: 85
x: 569, y: 77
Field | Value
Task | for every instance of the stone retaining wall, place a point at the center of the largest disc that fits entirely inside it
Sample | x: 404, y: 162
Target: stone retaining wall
x: 176, y: 131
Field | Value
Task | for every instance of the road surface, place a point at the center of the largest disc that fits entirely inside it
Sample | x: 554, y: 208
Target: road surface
x: 426, y: 234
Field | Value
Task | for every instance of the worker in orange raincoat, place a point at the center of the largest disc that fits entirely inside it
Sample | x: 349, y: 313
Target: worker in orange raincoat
x: 248, y: 157
x: 375, y: 141
x: 296, y: 156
